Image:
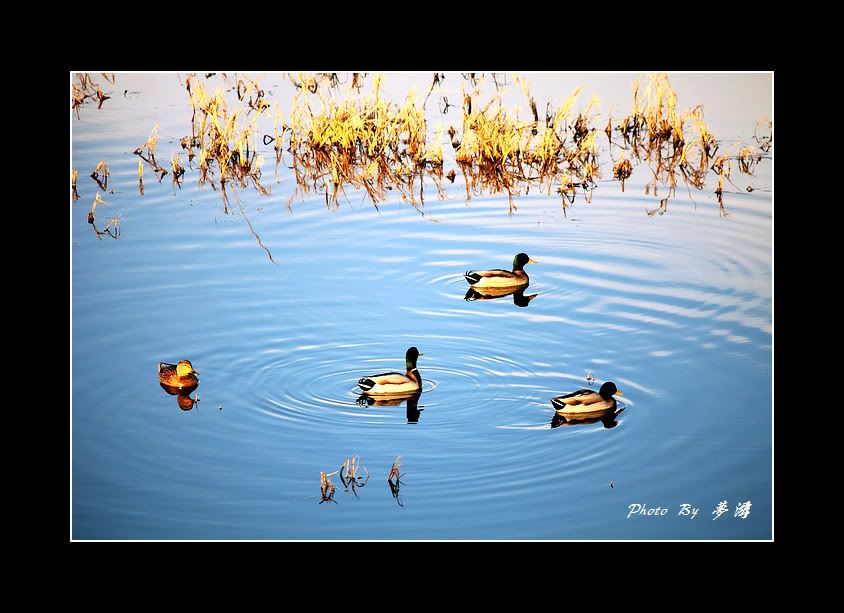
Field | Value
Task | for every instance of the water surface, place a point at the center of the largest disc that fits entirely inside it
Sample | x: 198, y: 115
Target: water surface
x: 676, y: 309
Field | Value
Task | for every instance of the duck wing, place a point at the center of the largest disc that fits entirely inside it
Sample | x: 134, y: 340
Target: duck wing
x: 585, y: 397
x: 474, y: 276
x: 386, y: 378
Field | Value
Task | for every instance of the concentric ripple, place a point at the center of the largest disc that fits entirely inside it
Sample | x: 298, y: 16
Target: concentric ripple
x: 675, y: 309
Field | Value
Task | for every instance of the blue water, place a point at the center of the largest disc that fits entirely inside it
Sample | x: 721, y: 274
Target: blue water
x: 675, y: 309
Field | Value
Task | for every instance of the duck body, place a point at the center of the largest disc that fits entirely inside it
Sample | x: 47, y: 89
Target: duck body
x: 499, y: 277
x: 587, y: 404
x: 181, y: 377
x: 394, y: 383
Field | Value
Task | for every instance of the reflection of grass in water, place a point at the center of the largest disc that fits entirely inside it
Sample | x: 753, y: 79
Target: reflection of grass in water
x: 348, y: 476
x: 85, y: 88
x: 360, y: 140
x: 74, y: 194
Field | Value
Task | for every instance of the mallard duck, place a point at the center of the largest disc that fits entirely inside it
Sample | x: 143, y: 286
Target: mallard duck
x: 500, y: 277
x: 179, y: 376
x: 394, y: 382
x: 586, y: 404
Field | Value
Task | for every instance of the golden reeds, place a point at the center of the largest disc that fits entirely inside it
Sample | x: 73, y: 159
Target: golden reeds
x: 97, y: 200
x: 100, y: 175
x: 395, y: 482
x: 326, y: 487
x: 85, y: 88
x: 359, y: 140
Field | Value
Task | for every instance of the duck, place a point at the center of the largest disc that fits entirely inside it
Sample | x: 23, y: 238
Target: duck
x: 179, y: 376
x: 586, y: 404
x: 394, y: 383
x: 499, y: 277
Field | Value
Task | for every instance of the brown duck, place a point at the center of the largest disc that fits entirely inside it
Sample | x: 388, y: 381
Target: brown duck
x: 181, y: 376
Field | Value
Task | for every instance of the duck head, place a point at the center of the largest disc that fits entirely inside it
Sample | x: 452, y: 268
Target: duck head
x: 185, y: 368
x: 608, y: 390
x: 520, y: 260
x: 410, y: 358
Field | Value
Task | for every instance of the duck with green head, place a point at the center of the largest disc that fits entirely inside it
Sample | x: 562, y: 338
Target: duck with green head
x: 395, y: 383
x: 499, y: 277
x: 586, y: 404
x: 179, y: 376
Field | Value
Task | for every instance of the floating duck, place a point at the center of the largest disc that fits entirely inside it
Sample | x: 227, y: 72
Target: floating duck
x: 587, y: 404
x: 499, y: 277
x: 181, y: 377
x: 394, y: 383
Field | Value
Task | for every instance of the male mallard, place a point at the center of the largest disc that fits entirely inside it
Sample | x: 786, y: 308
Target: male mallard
x: 585, y: 404
x: 394, y: 382
x: 499, y: 277
x: 178, y: 376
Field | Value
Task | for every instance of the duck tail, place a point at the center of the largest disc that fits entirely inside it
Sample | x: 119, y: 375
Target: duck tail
x: 366, y: 384
x: 472, y: 277
x: 558, y: 404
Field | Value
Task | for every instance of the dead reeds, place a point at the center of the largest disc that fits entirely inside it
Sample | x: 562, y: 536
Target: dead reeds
x: 335, y: 142
x: 350, y: 477
x: 84, y: 88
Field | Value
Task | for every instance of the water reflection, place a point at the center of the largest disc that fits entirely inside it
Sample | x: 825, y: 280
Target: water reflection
x: 394, y: 479
x: 349, y: 475
x: 491, y: 293
x: 183, y: 399
x: 413, y: 410
x: 608, y: 418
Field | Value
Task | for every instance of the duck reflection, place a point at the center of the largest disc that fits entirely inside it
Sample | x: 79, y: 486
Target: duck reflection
x: 413, y: 410
x: 183, y: 399
x: 607, y: 417
x: 491, y: 293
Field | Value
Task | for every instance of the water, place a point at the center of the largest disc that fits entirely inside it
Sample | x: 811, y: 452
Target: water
x: 675, y: 309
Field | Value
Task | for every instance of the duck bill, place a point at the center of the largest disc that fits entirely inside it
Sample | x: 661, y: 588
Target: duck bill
x: 530, y: 261
x: 618, y: 393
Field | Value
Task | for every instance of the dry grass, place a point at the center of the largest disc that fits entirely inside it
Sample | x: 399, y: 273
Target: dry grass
x: 356, y: 139
x: 100, y: 175
x: 84, y: 88
x: 74, y: 196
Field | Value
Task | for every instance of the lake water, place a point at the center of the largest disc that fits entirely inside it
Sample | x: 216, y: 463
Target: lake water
x: 675, y: 309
